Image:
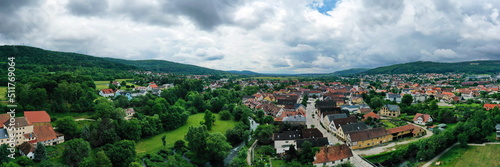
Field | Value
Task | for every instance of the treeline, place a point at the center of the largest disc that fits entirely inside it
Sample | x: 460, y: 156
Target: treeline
x: 475, y: 67
x: 475, y: 124
x: 32, y: 61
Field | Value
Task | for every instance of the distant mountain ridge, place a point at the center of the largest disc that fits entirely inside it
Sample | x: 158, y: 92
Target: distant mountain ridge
x: 475, y: 67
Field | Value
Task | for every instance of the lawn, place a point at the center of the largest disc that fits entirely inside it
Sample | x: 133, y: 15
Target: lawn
x: 277, y: 162
x: 104, y: 84
x: 388, y: 123
x: 3, y: 92
x: 74, y: 115
x: 471, y: 156
x: 154, y: 144
x: 470, y: 105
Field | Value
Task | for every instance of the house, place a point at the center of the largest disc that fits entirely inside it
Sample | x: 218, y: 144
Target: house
x: 122, y: 93
x: 336, y: 123
x: 27, y: 149
x: 151, y: 87
x: 107, y: 93
x: 422, y: 119
x: 491, y: 106
x: 368, y: 138
x: 295, y: 120
x: 36, y: 117
x: 393, y: 97
x: 348, y: 128
x: 311, y: 133
x: 333, y: 155
x: 371, y: 114
x: 139, y: 92
x: 21, y: 127
x: 406, y: 130
x: 129, y: 113
x: 116, y: 83
x: 390, y: 110
x: 282, y: 141
x: 330, y: 117
x: 46, y: 135
x: 351, y: 109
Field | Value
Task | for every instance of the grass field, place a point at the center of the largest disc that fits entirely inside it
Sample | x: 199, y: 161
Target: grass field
x: 488, y: 155
x: 278, y: 162
x: 104, y: 84
x: 154, y: 144
x: 3, y: 92
x: 388, y: 123
x: 71, y: 114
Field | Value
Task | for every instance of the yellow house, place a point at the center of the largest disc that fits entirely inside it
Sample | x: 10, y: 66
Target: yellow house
x: 368, y: 138
x: 390, y: 110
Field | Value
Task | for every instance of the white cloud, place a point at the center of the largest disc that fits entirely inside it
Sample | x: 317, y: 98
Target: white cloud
x: 263, y: 36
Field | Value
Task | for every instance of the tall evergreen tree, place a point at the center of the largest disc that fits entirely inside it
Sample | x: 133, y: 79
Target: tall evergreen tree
x: 40, y: 152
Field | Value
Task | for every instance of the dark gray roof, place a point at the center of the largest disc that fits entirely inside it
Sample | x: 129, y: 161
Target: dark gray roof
x: 498, y: 126
x: 336, y: 116
x: 287, y: 135
x: 392, y: 107
x: 297, y: 118
x: 353, y: 127
x: 3, y: 134
x: 317, y: 142
x: 393, y: 96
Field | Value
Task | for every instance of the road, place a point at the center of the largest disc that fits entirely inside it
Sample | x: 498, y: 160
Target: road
x: 310, y: 120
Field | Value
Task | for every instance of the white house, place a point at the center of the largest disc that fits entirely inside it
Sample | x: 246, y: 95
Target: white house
x: 422, y: 118
x: 107, y: 93
x: 282, y: 141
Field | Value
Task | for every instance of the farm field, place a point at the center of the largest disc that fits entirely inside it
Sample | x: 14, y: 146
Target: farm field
x: 154, y: 144
x: 104, y: 84
x: 472, y: 156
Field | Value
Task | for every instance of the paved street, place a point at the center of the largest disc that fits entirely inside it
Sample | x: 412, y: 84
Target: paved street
x: 356, y: 161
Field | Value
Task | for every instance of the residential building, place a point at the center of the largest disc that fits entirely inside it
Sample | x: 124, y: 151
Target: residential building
x: 407, y: 130
x: 345, y: 129
x: 498, y: 131
x: 333, y: 155
x: 368, y: 138
x: 282, y: 141
x: 107, y: 93
x: 390, y: 110
x: 422, y: 119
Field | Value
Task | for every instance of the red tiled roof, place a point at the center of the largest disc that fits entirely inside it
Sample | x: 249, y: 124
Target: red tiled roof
x: 37, y: 116
x: 490, y: 106
x: 19, y: 122
x: 332, y: 153
x: 107, y: 91
x: 26, y: 148
x: 4, y: 118
x: 371, y: 114
x: 425, y: 117
x: 153, y: 86
x: 44, y: 132
x: 401, y: 129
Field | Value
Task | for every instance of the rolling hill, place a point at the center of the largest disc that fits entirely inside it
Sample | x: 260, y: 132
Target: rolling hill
x: 167, y: 66
x: 475, y: 67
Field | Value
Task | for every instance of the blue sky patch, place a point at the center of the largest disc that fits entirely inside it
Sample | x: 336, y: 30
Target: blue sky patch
x: 327, y: 5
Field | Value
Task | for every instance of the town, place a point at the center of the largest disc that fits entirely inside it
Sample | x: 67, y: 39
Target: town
x: 369, y: 120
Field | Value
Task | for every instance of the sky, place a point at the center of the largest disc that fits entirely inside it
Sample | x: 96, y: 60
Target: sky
x: 268, y: 36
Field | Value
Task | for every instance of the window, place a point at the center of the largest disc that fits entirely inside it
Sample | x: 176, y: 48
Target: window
x: 286, y: 141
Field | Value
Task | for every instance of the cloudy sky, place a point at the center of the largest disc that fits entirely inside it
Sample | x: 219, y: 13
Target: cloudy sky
x: 273, y: 36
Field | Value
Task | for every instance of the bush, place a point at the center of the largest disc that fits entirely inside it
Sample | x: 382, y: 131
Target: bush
x: 225, y: 115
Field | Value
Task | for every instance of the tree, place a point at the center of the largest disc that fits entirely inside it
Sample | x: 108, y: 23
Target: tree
x: 121, y: 153
x: 164, y: 140
x: 196, y: 138
x: 40, y: 152
x: 462, y: 139
x: 376, y: 102
x: 130, y: 130
x: 24, y: 161
x: 225, y: 115
x: 75, y: 151
x: 68, y: 127
x: 264, y: 133
x: 209, y: 119
x: 217, y: 146
x: 306, y: 154
x: 4, y: 154
x: 304, y: 100
x: 179, y: 145
x: 407, y: 99
x: 433, y: 105
x: 291, y: 153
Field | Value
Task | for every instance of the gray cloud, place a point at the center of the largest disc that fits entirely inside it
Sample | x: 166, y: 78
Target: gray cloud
x: 87, y: 7
x: 271, y: 36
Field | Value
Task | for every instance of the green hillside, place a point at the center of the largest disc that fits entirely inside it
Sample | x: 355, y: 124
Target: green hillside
x: 167, y: 66
x: 475, y: 67
x: 31, y: 61
x: 351, y: 71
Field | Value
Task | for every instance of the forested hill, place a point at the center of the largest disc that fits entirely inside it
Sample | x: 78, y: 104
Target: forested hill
x: 476, y: 67
x: 31, y: 61
x: 167, y: 66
